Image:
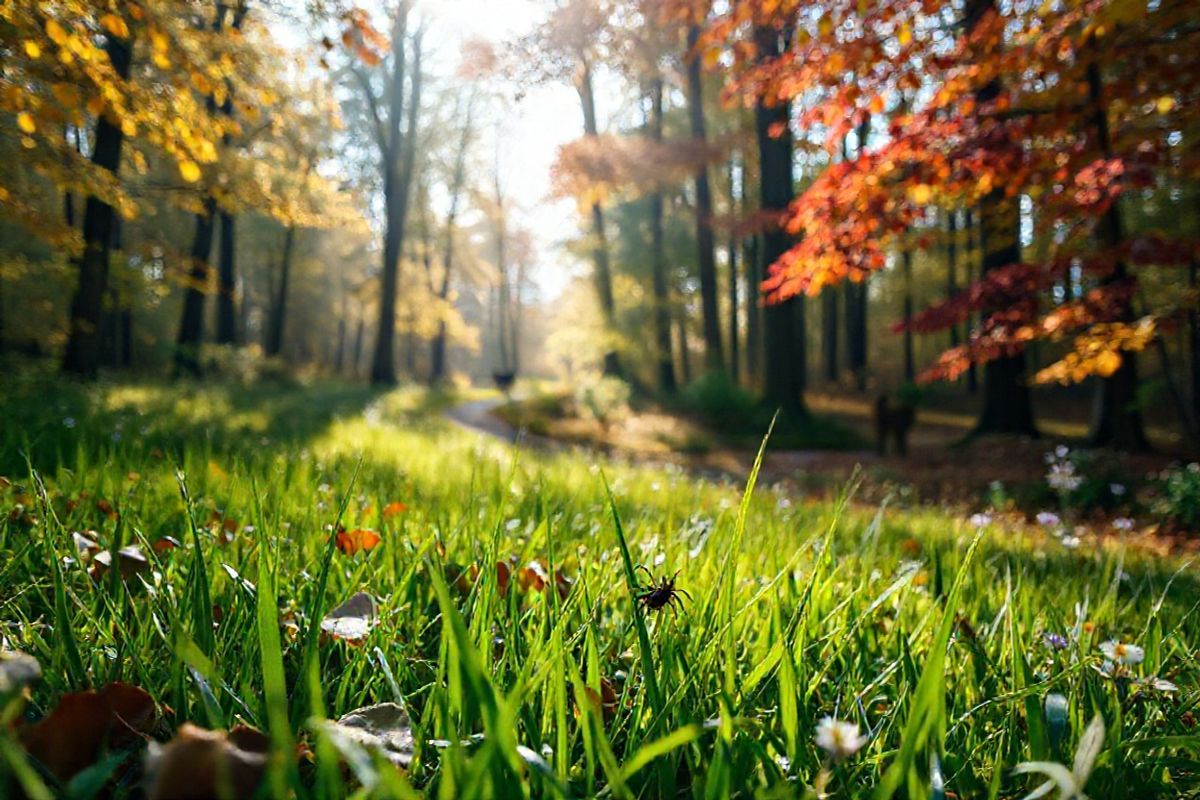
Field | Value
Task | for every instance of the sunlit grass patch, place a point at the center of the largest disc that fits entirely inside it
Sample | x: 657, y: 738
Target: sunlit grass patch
x: 500, y: 616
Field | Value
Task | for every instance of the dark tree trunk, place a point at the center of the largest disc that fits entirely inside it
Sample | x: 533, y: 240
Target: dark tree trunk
x: 972, y: 274
x: 783, y: 321
x: 1007, y: 406
x: 705, y: 240
x: 278, y: 316
x: 227, y: 332
x: 658, y: 258
x: 437, y: 348
x: 398, y: 153
x: 600, y: 260
x: 856, y: 332
x: 735, y: 366
x: 227, y: 288
x: 1116, y: 417
x: 829, y: 332
x: 856, y: 295
x: 752, y: 259
x: 359, y: 334
x: 1193, y: 325
x: 82, y: 353
x: 340, y: 352
x: 910, y: 363
x: 952, y: 267
x: 191, y: 324
x: 685, y: 356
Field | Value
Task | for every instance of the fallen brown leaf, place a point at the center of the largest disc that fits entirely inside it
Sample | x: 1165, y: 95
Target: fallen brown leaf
x: 200, y: 764
x: 72, y: 736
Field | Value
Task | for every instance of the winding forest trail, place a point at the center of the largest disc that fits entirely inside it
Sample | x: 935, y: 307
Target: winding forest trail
x: 476, y: 415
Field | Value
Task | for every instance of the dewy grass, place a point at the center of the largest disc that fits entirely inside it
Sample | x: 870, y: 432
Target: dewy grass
x: 542, y: 677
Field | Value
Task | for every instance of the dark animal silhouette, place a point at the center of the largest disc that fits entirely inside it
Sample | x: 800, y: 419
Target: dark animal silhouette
x: 894, y: 421
x: 504, y: 380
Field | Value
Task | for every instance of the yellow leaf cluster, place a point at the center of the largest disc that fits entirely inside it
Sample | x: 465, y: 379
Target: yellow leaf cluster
x: 1098, y: 351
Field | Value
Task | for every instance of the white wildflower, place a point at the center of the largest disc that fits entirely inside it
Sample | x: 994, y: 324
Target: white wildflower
x: 839, y: 738
x: 981, y: 520
x: 1121, y: 653
x: 1063, y: 478
x: 1123, y: 524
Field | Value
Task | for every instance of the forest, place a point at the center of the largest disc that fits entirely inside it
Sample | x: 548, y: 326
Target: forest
x: 599, y: 398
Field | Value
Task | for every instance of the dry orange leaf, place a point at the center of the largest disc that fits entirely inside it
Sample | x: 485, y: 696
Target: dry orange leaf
x: 359, y: 539
x: 392, y: 509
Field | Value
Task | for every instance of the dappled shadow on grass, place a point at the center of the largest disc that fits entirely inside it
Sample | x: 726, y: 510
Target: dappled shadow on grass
x: 47, y: 423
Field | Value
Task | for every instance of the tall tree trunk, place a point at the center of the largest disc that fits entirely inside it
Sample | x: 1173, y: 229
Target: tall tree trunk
x: 1193, y: 326
x: 857, y: 296
x: 227, y: 332
x: 340, y: 352
x: 82, y: 354
x: 783, y: 321
x: 359, y: 335
x: 1116, y: 417
x: 829, y: 332
x: 278, y: 316
x: 227, y: 282
x: 398, y: 152
x: 752, y: 259
x: 383, y: 366
x: 1007, y: 406
x: 910, y: 364
x: 710, y: 315
x: 437, y: 350
x: 658, y: 259
x: 600, y: 260
x: 735, y: 370
x: 191, y: 324
x: 952, y: 267
x: 685, y: 353
x: 974, y: 258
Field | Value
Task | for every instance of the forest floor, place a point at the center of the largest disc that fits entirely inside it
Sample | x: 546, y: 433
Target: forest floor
x: 370, y: 585
x: 943, y: 466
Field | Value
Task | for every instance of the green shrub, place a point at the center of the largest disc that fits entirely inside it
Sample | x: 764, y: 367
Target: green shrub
x: 603, y: 398
x: 722, y: 403
x: 1180, y: 499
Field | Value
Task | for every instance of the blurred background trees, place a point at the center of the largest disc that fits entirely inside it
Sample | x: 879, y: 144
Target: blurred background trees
x: 1000, y: 197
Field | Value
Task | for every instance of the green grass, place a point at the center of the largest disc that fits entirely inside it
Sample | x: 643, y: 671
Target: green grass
x: 906, y: 622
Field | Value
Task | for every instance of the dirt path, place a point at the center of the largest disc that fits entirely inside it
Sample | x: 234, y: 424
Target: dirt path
x: 477, y: 416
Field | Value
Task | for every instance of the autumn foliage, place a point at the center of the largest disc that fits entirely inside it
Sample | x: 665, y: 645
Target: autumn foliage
x: 1067, y: 106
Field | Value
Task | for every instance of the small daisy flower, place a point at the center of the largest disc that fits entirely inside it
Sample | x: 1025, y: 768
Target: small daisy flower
x: 1123, y: 524
x: 1121, y: 653
x: 981, y: 520
x: 1048, y: 519
x: 839, y: 738
x: 1118, y: 489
